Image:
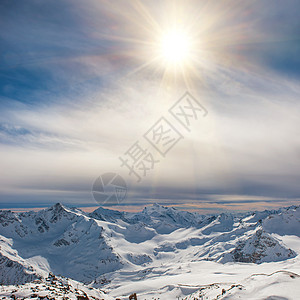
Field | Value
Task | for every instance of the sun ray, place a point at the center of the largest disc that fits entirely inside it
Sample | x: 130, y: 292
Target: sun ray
x: 179, y: 42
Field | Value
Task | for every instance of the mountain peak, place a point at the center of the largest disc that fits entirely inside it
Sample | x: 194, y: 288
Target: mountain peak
x: 88, y: 246
x: 58, y: 205
x: 105, y: 214
x: 57, y: 208
x: 57, y: 212
x: 154, y: 207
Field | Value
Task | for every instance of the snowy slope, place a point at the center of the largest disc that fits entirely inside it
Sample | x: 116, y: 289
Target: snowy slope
x: 107, y: 248
x: 13, y: 268
x: 71, y: 243
x: 285, y: 222
x: 275, y: 286
x: 53, y: 287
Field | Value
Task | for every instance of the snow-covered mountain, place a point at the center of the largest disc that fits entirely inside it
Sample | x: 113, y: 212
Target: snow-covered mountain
x: 61, y: 240
x: 106, y: 246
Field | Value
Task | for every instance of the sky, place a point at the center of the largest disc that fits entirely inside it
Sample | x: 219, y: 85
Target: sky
x: 82, y: 82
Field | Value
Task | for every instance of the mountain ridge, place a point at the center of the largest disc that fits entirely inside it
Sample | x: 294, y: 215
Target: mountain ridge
x: 86, y: 246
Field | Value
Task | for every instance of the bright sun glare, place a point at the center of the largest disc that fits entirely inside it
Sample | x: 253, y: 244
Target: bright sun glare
x: 180, y: 42
x: 175, y: 47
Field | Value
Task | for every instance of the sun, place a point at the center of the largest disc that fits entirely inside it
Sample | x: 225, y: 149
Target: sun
x: 175, y: 47
x: 180, y: 42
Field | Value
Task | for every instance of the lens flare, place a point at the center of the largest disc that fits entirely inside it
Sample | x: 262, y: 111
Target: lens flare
x: 183, y: 44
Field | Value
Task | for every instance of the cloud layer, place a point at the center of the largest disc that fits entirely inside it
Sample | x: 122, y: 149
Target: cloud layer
x: 72, y: 103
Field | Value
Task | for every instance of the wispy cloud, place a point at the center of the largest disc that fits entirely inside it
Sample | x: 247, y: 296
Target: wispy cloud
x: 69, y: 107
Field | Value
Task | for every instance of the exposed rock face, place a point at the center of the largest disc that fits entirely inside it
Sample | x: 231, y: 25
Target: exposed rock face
x: 85, y: 246
x: 13, y: 272
x: 260, y: 247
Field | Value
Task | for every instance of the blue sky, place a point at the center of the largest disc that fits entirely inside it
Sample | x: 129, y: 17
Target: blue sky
x: 79, y: 85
